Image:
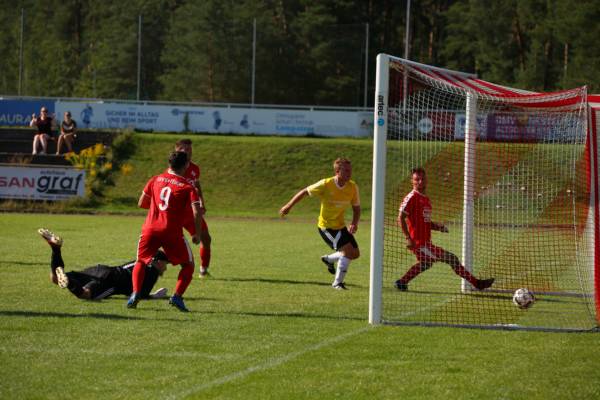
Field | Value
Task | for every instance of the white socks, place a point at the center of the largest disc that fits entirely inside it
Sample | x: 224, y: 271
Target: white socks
x: 342, y: 268
x: 333, y: 257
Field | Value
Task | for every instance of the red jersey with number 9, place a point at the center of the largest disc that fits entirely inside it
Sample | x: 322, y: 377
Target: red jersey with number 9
x: 171, y: 198
x: 418, y: 209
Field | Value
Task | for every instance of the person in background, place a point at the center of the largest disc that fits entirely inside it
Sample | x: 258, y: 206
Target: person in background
x: 192, y: 174
x: 68, y: 133
x: 44, y: 124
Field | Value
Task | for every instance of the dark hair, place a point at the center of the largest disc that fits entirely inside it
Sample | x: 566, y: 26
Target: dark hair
x: 183, y: 142
x: 160, y: 256
x: 177, y: 160
x: 417, y: 170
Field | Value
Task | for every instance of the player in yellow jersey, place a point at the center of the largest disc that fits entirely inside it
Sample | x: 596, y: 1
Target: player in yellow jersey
x: 336, y: 194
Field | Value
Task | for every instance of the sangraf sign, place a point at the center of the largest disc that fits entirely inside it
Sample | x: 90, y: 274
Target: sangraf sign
x: 41, y: 183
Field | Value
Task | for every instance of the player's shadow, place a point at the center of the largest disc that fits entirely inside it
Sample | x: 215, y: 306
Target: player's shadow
x: 164, y: 299
x: 287, y: 315
x: 10, y: 262
x: 280, y: 281
x: 36, y: 314
x: 276, y: 281
x: 124, y: 317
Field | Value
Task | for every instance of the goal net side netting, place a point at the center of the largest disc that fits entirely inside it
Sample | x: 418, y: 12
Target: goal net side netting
x: 511, y: 174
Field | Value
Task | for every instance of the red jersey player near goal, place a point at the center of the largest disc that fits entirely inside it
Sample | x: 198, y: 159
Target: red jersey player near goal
x: 168, y: 197
x: 414, y: 217
x: 192, y: 174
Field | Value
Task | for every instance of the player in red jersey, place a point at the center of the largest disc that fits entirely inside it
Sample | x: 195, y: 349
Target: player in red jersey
x: 167, y: 197
x: 192, y: 174
x: 415, y: 219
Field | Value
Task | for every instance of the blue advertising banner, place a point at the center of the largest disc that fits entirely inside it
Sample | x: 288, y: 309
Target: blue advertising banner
x: 18, y: 112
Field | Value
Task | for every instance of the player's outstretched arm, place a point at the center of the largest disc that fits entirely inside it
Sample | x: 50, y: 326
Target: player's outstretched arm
x: 288, y: 206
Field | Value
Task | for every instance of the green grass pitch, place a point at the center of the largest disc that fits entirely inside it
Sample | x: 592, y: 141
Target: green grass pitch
x: 266, y: 326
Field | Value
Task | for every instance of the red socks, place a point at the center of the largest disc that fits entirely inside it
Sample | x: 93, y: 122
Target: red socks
x: 184, y: 278
x: 204, y: 256
x: 139, y: 272
x: 463, y: 273
x: 411, y: 273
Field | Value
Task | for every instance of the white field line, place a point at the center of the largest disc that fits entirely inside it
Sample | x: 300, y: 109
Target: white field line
x: 283, y: 359
x: 267, y: 365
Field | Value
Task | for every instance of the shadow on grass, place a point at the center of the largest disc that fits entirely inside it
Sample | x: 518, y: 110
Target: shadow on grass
x: 123, y: 299
x: 281, y: 281
x: 10, y: 263
x: 130, y: 316
x: 288, y: 315
x: 65, y: 315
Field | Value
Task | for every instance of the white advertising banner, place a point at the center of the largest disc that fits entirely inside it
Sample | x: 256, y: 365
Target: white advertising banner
x: 174, y: 118
x: 41, y: 183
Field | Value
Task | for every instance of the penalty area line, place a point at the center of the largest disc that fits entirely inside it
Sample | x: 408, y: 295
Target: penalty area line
x: 267, y: 365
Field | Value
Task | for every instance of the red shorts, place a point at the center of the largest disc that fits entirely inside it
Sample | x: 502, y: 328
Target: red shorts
x: 191, y: 227
x: 175, y: 247
x: 428, y: 253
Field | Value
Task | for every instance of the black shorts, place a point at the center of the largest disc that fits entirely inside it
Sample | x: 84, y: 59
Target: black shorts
x: 337, y: 238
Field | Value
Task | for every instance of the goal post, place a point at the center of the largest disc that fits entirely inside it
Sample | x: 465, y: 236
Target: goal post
x: 377, y: 199
x: 593, y: 130
x: 469, y: 185
x: 511, y: 173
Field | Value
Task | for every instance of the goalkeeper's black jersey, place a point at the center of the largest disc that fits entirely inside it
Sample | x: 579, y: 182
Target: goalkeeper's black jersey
x: 119, y: 277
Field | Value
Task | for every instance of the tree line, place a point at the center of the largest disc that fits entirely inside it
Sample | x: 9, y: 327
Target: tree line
x: 307, y: 51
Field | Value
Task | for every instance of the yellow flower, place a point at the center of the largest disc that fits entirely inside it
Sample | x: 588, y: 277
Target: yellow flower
x: 93, y: 173
x: 126, y: 169
x: 108, y: 165
x: 98, y: 149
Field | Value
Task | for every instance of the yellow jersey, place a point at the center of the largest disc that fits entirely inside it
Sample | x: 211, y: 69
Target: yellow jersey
x: 334, y: 201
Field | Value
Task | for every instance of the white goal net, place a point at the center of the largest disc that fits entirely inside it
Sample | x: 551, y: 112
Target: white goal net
x: 510, y: 174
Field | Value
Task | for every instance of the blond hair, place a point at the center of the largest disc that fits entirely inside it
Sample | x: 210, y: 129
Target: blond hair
x: 340, y: 161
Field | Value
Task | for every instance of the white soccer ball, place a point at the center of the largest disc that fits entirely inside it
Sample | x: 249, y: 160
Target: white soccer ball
x: 523, y: 298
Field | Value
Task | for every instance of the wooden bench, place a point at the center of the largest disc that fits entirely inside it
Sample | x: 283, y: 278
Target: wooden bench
x: 16, y: 145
